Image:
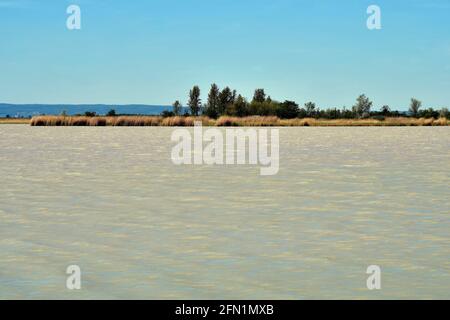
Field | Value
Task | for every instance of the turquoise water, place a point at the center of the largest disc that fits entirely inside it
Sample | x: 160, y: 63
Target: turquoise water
x: 110, y: 201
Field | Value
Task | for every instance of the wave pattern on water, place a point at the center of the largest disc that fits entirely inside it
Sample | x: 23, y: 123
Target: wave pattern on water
x: 111, y: 201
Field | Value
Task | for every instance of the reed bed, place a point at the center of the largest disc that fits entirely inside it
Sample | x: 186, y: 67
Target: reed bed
x: 254, y: 121
x: 119, y: 121
x: 311, y: 122
x: 225, y: 121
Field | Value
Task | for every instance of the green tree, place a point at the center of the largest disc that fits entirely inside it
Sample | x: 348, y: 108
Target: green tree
x: 414, y: 107
x: 385, y: 110
x: 194, y: 101
x: 444, y: 113
x: 176, y: 108
x: 310, y: 108
x: 111, y: 113
x: 288, y: 110
x: 226, y: 98
x: 259, y: 96
x: 362, y: 107
x: 212, y: 105
x: 240, y: 106
x: 429, y: 113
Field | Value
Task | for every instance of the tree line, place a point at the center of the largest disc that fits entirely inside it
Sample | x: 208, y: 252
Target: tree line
x: 227, y: 102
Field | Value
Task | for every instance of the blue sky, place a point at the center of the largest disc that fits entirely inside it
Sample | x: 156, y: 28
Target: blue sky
x: 153, y: 51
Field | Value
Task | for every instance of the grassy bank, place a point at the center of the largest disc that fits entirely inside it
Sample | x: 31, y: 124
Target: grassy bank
x: 228, y: 121
x: 14, y: 121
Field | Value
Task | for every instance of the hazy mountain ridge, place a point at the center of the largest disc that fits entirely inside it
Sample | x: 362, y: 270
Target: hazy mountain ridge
x: 28, y: 110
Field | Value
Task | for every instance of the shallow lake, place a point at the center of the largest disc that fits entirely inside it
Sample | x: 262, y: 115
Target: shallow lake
x: 111, y: 201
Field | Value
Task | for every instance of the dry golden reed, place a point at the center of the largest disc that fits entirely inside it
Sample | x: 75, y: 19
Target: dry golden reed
x: 225, y: 121
x: 120, y: 121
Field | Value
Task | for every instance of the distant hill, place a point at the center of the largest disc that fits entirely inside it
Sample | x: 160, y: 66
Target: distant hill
x: 28, y: 110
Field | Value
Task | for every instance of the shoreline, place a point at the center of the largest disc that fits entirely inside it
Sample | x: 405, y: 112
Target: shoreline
x: 15, y: 121
x: 225, y: 121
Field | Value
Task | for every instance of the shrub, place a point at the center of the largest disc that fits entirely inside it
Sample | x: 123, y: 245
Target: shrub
x: 90, y: 114
x: 166, y: 114
x: 287, y: 110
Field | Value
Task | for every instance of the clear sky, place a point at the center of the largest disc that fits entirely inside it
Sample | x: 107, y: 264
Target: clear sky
x: 153, y: 51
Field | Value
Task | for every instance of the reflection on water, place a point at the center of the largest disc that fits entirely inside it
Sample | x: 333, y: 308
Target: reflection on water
x: 111, y: 201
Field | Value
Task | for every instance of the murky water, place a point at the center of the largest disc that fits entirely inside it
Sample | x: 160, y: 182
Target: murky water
x: 111, y: 201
